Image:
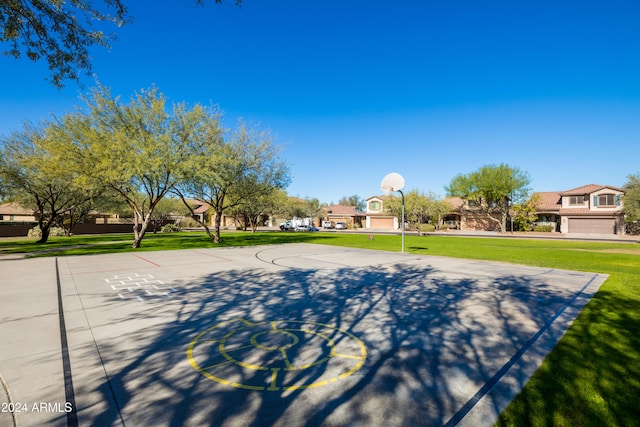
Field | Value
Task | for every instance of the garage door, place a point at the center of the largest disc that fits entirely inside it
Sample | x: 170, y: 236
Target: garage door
x: 386, y: 223
x: 592, y: 225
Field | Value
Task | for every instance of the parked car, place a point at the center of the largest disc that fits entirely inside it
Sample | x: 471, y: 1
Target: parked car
x: 341, y: 225
x: 301, y: 228
x: 327, y: 224
x: 285, y: 226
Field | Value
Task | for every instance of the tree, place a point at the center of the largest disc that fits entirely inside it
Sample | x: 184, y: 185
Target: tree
x: 252, y: 211
x: 524, y: 214
x: 137, y: 150
x: 232, y: 168
x: 166, y: 208
x: 631, y: 207
x: 492, y: 188
x: 415, y: 203
x: 419, y: 208
x: 62, y: 32
x: 34, y: 177
x: 354, y: 200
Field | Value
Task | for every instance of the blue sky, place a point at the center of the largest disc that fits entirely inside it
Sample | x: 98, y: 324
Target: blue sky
x: 355, y: 89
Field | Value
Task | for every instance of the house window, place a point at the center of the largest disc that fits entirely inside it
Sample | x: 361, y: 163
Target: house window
x: 606, y: 200
x: 374, y: 206
x: 576, y: 200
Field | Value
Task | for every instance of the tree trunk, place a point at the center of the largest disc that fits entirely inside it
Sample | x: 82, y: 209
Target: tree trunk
x: 45, y: 228
x: 216, y: 223
x: 139, y: 234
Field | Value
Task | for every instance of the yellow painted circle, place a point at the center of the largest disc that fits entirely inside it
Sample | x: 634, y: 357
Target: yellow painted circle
x: 276, y: 355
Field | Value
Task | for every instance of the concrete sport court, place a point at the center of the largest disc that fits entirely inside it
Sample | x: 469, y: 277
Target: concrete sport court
x: 287, y: 335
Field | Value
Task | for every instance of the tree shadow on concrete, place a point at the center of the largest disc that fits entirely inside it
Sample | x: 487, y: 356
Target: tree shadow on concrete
x: 599, y: 350
x: 431, y: 343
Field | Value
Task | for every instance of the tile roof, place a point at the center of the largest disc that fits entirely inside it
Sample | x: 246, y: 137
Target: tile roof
x: 383, y: 197
x: 13, y: 208
x: 586, y: 189
x: 456, y: 202
x: 343, y: 210
x: 549, y: 200
x: 198, y: 206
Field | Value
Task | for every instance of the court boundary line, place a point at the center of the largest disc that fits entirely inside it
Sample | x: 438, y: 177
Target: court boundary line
x: 72, y: 416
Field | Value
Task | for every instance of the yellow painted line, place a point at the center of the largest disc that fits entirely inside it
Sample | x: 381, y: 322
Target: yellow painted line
x: 226, y: 362
x: 245, y: 321
x: 320, y: 330
x: 274, y: 378
x: 290, y: 367
x: 248, y: 387
x: 214, y: 378
x: 232, y: 349
x: 352, y: 370
x: 347, y: 356
x: 317, y: 362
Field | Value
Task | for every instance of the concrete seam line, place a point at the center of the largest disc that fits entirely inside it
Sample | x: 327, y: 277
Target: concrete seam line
x: 97, y: 348
x: 5, y: 386
x: 72, y: 416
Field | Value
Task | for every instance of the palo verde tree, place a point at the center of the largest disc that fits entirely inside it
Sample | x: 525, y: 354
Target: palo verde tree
x: 232, y: 167
x: 34, y: 176
x: 61, y: 32
x: 492, y: 188
x: 419, y: 208
x: 525, y: 214
x: 631, y: 206
x: 252, y: 211
x: 137, y: 150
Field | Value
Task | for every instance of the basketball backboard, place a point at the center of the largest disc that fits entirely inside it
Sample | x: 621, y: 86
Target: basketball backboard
x: 392, y: 182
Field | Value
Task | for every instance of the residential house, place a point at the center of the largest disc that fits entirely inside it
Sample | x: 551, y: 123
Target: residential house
x: 13, y: 212
x: 204, y: 213
x: 346, y: 214
x: 376, y: 217
x: 465, y: 215
x: 592, y: 208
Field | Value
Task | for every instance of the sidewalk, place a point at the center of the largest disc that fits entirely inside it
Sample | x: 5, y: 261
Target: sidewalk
x: 625, y: 238
x: 30, y: 356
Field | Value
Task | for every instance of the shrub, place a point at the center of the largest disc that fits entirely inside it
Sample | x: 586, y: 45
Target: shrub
x: 35, y: 232
x: 189, y: 223
x: 427, y: 228
x: 170, y: 228
x: 543, y: 228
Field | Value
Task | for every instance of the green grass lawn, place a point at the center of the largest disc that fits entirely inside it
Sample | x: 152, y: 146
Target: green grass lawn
x: 591, y: 378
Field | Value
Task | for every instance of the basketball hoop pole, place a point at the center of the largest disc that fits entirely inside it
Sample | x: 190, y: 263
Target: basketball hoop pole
x: 402, y: 194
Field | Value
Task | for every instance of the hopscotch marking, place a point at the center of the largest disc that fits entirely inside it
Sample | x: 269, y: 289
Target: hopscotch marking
x: 141, y: 286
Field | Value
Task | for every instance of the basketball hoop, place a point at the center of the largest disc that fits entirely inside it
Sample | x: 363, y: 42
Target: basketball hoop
x: 392, y: 182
